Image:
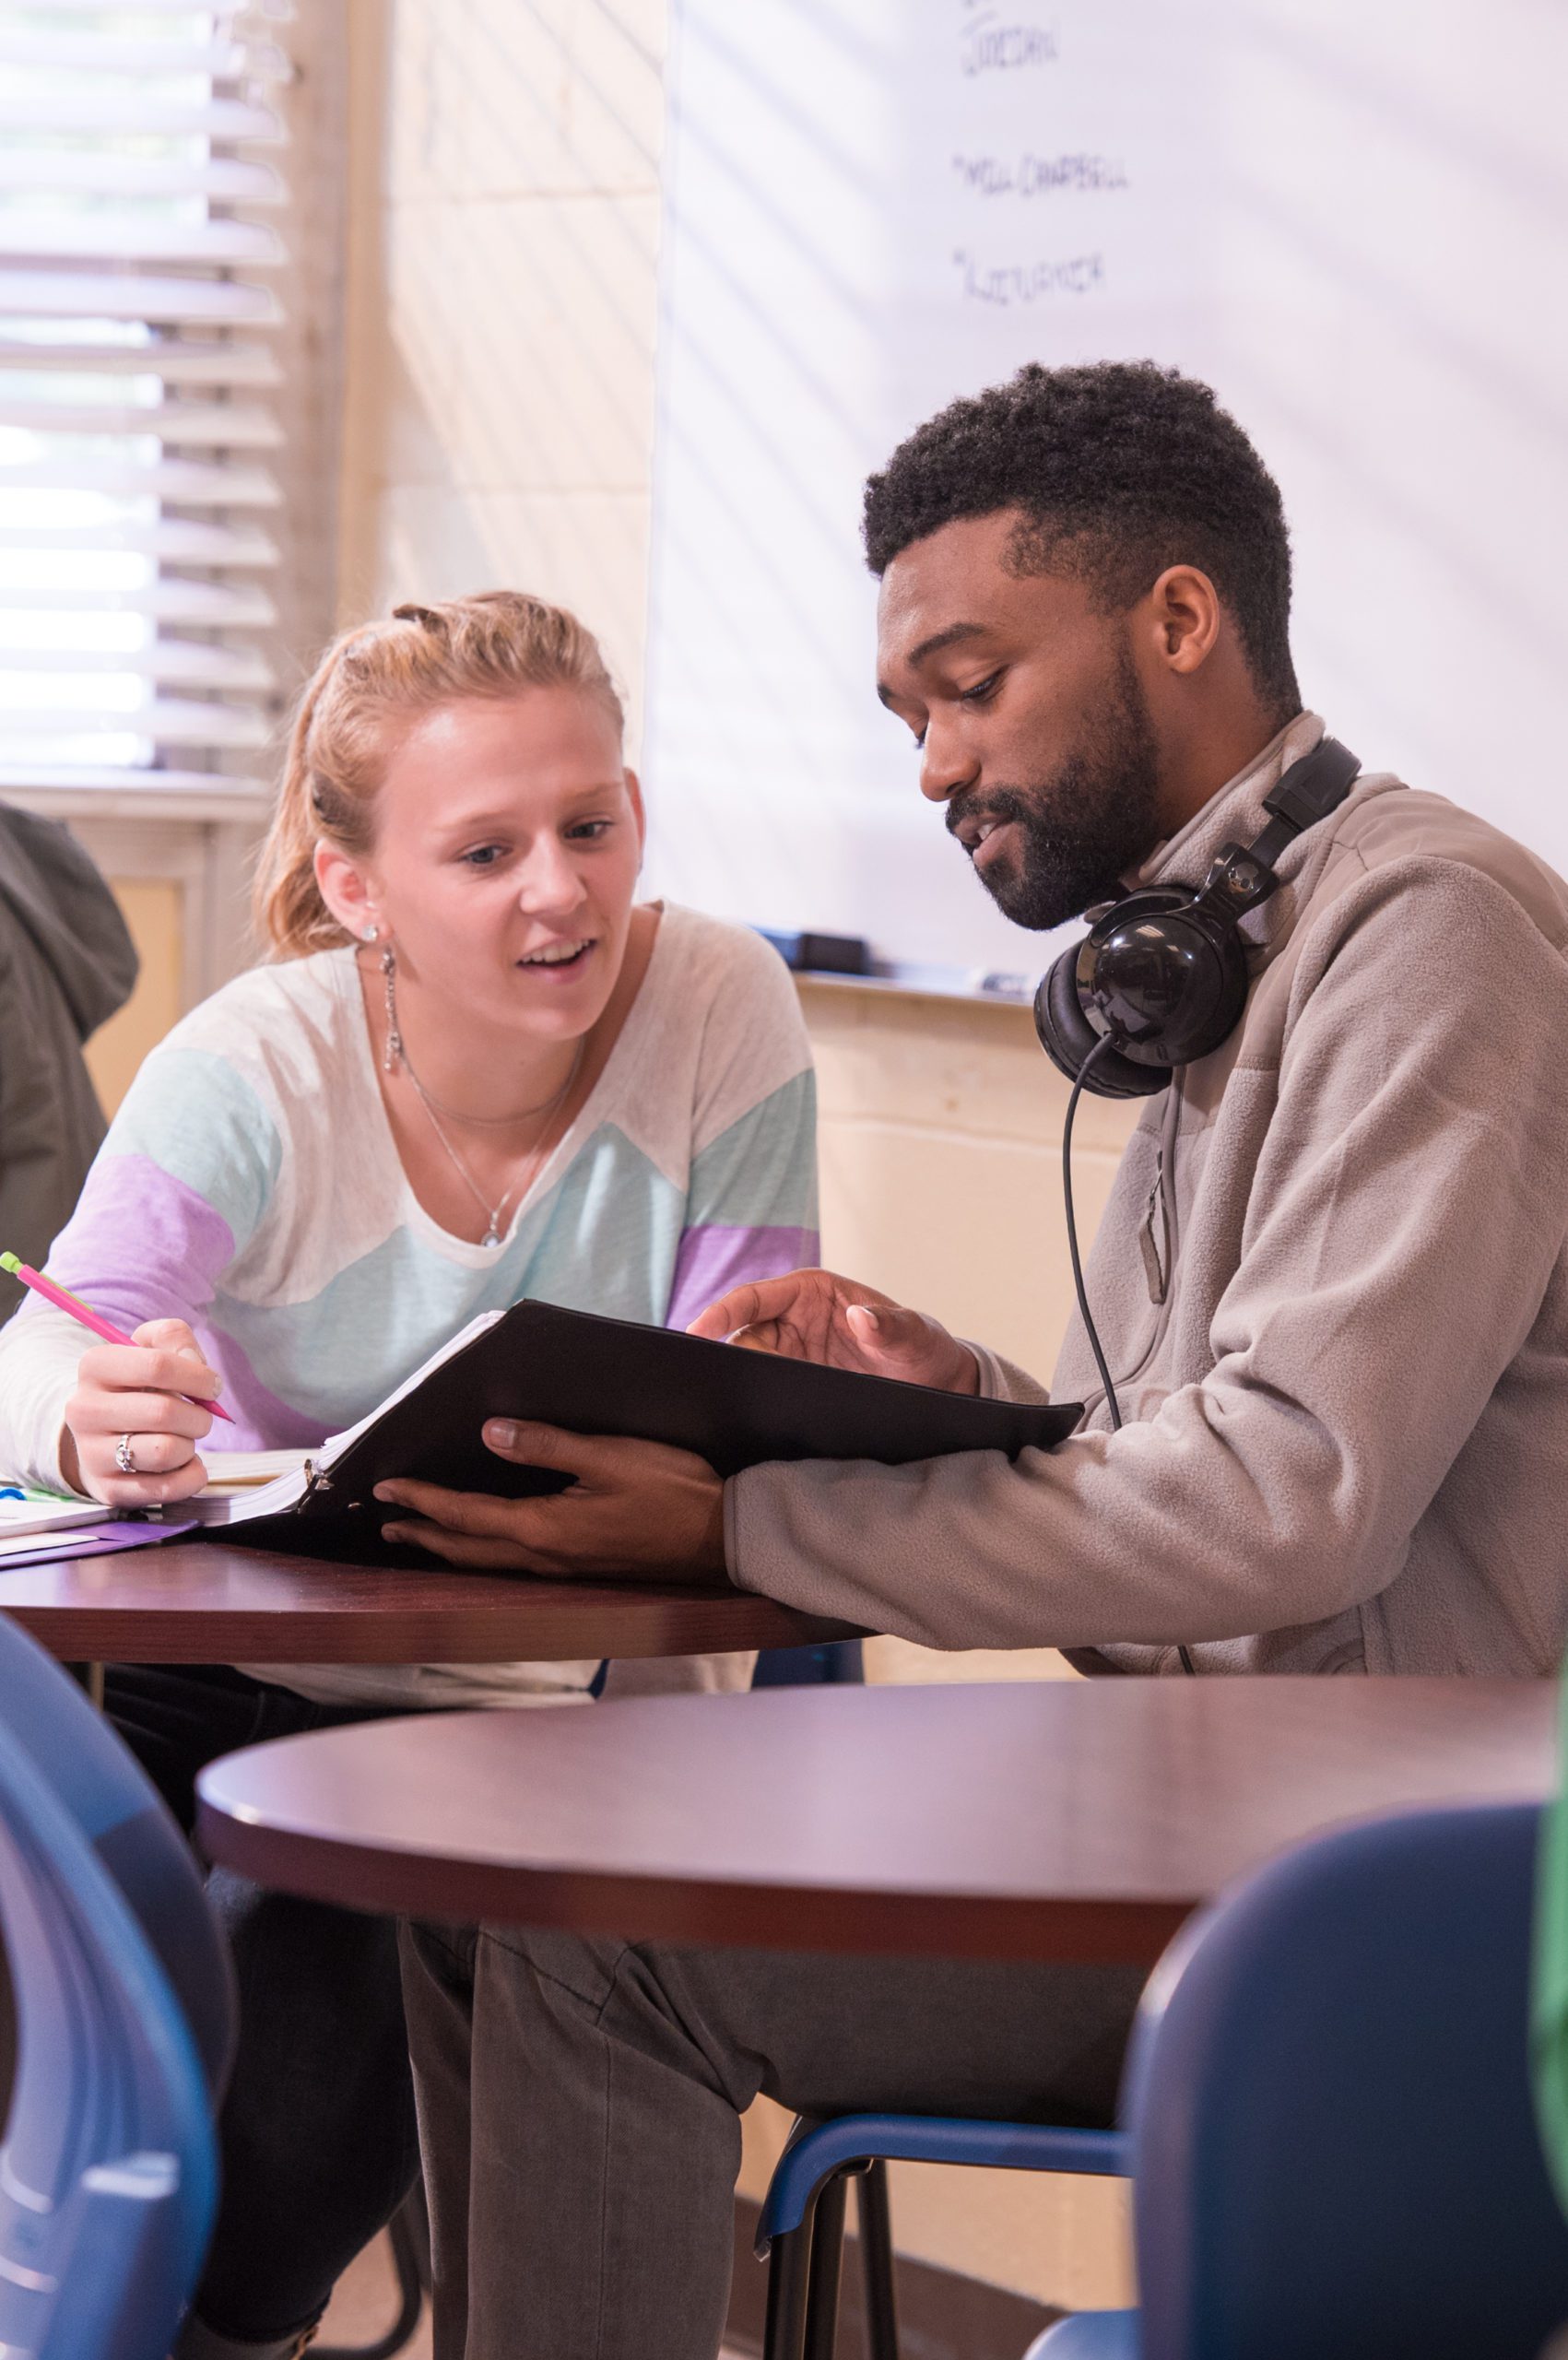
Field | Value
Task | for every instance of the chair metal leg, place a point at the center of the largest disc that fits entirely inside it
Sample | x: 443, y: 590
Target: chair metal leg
x: 789, y: 2284
x: 408, y: 2232
x: 875, y: 2217
x: 826, y: 2268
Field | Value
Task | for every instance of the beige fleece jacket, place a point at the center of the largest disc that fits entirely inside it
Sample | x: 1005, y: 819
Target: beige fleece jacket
x: 1333, y: 1286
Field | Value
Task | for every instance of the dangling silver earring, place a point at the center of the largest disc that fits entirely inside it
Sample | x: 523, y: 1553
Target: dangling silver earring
x: 392, y: 1054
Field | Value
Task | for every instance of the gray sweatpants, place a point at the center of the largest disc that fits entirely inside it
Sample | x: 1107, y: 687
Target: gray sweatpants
x: 580, y: 2106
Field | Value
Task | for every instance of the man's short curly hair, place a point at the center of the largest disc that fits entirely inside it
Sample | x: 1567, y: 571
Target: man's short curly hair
x: 1120, y: 469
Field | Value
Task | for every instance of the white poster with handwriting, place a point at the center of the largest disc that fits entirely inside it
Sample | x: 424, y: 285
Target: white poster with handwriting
x: 1354, y: 221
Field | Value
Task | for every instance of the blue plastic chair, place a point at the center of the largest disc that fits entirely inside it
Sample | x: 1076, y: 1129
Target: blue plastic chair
x: 124, y: 2013
x: 800, y: 2234
x: 836, y: 1663
x: 1333, y: 2144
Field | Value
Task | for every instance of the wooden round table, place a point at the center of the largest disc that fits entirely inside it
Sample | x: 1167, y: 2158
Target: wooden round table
x: 210, y: 1602
x: 1060, y: 1820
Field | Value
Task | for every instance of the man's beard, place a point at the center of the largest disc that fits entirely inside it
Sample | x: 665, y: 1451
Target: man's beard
x: 1083, y: 830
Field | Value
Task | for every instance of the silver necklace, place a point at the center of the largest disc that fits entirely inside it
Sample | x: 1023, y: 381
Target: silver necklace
x: 494, y: 1214
x: 396, y: 1053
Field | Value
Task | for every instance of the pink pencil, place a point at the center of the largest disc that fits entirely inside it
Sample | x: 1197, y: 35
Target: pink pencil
x: 89, y: 1318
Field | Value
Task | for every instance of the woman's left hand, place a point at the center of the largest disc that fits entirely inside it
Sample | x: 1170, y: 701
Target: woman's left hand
x: 635, y: 1508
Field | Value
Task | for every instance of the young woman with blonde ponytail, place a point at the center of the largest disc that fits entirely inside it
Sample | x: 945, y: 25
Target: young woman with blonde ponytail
x: 474, y: 1069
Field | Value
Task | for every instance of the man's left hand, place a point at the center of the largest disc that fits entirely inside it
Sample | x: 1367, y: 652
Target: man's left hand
x: 635, y: 1509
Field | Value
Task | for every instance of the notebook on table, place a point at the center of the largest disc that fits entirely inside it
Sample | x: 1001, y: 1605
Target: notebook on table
x: 37, y: 1526
x: 591, y: 1374
x: 26, y: 1514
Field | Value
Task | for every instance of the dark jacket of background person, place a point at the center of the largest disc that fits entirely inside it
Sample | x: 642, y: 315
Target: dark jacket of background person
x: 66, y: 963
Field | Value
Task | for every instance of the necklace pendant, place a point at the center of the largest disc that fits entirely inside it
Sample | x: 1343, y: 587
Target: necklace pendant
x: 492, y: 1236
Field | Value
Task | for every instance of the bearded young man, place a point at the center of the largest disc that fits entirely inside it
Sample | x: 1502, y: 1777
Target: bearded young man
x: 1331, y: 1284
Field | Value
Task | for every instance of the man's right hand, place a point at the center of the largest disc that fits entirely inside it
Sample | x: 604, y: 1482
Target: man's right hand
x: 816, y: 1315
x: 135, y: 1390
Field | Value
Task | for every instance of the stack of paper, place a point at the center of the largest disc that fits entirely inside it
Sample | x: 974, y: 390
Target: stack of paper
x: 229, y: 1472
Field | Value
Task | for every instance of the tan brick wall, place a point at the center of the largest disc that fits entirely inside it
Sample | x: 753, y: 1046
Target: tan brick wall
x: 504, y: 211
x: 941, y: 1129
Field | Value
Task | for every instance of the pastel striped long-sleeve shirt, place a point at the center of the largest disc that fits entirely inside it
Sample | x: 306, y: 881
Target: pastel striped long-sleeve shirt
x: 250, y: 1184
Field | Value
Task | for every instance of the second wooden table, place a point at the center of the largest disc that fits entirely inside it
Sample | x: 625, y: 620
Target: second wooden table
x: 1069, y: 1819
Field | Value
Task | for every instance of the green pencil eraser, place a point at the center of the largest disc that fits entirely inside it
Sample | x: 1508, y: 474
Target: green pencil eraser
x: 10, y: 1262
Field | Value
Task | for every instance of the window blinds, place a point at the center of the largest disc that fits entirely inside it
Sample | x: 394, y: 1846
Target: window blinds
x: 137, y: 501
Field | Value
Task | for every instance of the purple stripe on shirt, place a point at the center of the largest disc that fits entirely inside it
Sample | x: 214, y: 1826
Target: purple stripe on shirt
x: 144, y: 1245
x: 712, y: 1260
x: 141, y: 1244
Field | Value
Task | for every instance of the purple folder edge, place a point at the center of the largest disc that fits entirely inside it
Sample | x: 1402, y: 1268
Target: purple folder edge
x: 93, y: 1540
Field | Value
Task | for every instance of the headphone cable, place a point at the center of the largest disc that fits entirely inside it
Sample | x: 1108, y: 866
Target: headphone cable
x: 1099, y: 1050
x: 1101, y: 1046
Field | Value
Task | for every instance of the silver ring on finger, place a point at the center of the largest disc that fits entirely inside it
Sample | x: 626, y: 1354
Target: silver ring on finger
x: 124, y: 1457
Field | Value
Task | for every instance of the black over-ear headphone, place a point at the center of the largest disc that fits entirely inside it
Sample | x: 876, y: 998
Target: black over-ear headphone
x: 1160, y: 978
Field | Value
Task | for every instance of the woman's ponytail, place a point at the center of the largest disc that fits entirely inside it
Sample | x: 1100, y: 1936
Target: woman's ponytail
x: 289, y: 912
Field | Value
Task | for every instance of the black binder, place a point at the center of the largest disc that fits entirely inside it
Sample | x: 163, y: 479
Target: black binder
x: 592, y: 1376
